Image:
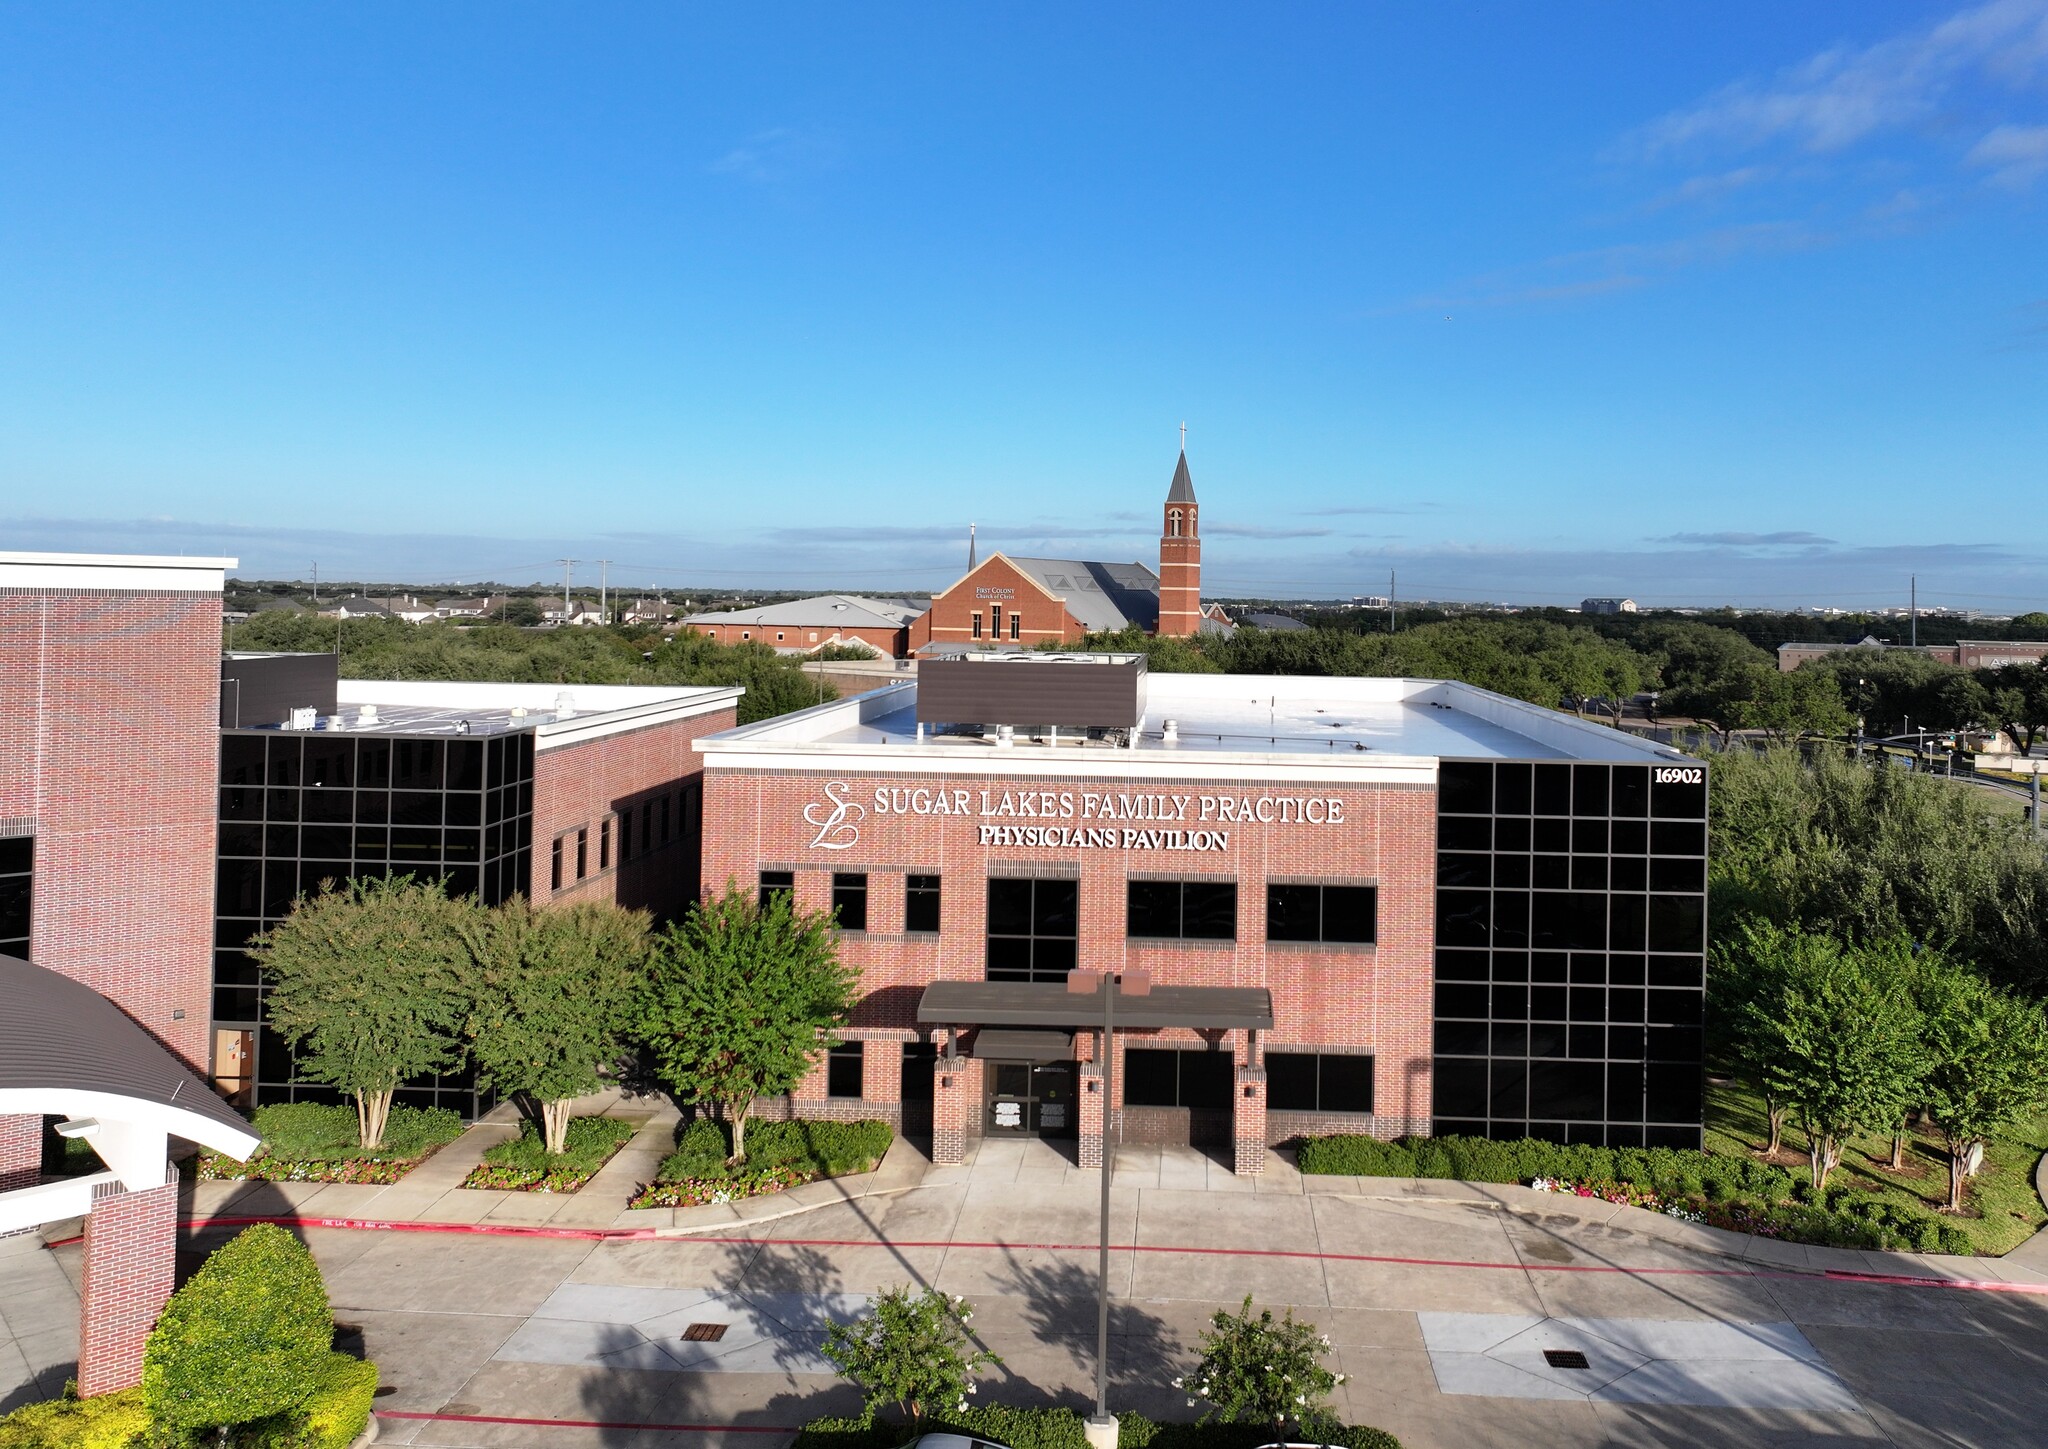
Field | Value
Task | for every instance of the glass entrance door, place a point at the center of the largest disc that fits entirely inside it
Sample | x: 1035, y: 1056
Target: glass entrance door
x: 1031, y: 1099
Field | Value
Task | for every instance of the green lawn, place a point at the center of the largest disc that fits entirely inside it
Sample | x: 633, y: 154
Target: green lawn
x: 2004, y: 1210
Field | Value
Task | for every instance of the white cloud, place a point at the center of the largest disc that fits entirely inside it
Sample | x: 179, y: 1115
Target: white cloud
x: 2016, y: 156
x: 776, y: 154
x: 1848, y: 94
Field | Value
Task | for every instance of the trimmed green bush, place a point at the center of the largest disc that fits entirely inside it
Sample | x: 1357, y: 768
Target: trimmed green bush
x: 245, y: 1339
x: 1742, y: 1194
x: 819, y: 1149
x: 1061, y: 1429
x: 324, y: 1132
x: 339, y: 1408
x: 525, y: 1165
x: 111, y: 1421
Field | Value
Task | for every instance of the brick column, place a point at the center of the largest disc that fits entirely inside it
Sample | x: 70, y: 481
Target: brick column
x: 130, y: 1263
x: 1248, y: 1122
x: 1091, y: 1115
x: 956, y: 1098
x: 21, y: 1152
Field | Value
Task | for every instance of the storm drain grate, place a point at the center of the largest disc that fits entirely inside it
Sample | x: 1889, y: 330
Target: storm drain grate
x: 1565, y: 1358
x: 712, y: 1332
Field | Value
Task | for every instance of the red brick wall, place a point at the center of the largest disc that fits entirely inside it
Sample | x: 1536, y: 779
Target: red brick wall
x: 1375, y: 999
x: 1180, y: 575
x: 130, y: 1238
x: 109, y: 710
x: 21, y: 1152
x: 994, y: 582
x: 580, y: 785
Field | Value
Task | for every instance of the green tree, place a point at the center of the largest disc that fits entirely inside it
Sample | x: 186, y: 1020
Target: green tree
x: 1846, y: 1055
x: 1256, y: 1369
x: 914, y: 1350
x: 369, y: 982
x: 521, y: 613
x: 741, y: 997
x: 1751, y: 965
x: 247, y: 1338
x: 1986, y: 1064
x: 552, y: 998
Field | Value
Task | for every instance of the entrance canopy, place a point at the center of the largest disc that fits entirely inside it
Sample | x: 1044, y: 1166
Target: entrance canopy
x: 1050, y: 1004
x: 66, y: 1050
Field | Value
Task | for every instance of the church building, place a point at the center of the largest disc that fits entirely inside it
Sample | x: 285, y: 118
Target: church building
x: 1020, y: 602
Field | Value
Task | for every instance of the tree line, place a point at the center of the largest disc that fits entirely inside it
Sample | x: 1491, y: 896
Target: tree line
x: 376, y: 982
x: 383, y: 648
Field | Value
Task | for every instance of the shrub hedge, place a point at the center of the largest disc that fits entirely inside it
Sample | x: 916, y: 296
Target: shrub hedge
x: 822, y: 1149
x: 1735, y: 1192
x: 524, y: 1164
x: 317, y: 1142
x: 247, y: 1338
x: 1060, y: 1429
x: 111, y: 1421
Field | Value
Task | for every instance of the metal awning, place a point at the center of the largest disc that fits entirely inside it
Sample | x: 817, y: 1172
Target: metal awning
x: 1009, y: 1044
x: 1049, y: 1004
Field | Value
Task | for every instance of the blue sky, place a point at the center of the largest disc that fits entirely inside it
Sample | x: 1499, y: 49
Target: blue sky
x: 1710, y: 303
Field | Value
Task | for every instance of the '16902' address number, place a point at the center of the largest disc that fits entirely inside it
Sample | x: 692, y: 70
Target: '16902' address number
x: 1680, y: 775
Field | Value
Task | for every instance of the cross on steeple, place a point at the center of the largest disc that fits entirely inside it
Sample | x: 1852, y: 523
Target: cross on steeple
x: 1183, y: 437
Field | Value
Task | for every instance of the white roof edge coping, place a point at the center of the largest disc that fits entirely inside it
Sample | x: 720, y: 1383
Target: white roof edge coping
x: 163, y: 573
x: 536, y: 698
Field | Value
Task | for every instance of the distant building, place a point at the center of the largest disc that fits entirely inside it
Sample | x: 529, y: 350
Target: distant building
x: 480, y: 608
x: 1274, y: 623
x: 1026, y: 601
x: 804, y: 626
x: 646, y: 611
x: 1966, y: 653
x: 581, y: 613
x: 1607, y: 606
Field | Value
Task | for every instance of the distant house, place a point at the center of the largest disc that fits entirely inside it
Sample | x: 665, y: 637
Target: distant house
x: 804, y: 626
x: 480, y: 608
x: 393, y: 606
x: 1968, y: 653
x: 1275, y: 623
x: 1607, y: 606
x: 647, y: 611
x: 581, y: 613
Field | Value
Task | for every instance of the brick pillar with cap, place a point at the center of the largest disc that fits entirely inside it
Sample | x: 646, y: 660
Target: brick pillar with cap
x: 21, y: 1152
x: 1248, y: 1122
x: 1093, y: 1112
x: 130, y: 1266
x: 956, y: 1105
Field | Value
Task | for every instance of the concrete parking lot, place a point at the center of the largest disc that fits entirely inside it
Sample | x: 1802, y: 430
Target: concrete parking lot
x: 1438, y: 1307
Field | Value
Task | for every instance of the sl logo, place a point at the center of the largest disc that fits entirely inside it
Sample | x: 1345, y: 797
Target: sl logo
x: 837, y: 818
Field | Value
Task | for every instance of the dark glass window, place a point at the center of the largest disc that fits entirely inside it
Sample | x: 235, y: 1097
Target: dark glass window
x: 1330, y: 913
x: 921, y: 903
x: 920, y: 1060
x: 625, y: 834
x: 582, y: 853
x: 1182, y: 909
x: 1031, y: 928
x: 663, y: 806
x: 977, y: 623
x: 777, y: 881
x: 1319, y: 1082
x: 850, y: 900
x: 555, y: 866
x: 17, y: 893
x: 604, y: 844
x: 843, y: 1066
x: 1154, y: 1078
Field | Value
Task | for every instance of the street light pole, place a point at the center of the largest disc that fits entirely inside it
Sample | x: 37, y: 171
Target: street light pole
x: 1101, y: 1427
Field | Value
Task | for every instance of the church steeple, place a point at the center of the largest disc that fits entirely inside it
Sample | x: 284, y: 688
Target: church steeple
x: 1180, y: 555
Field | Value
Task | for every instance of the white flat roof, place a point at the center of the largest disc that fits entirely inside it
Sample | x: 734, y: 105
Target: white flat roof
x: 160, y: 573
x: 558, y: 714
x: 1225, y: 725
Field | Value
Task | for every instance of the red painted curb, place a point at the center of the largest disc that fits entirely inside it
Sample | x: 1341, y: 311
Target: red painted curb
x: 1826, y: 1275
x: 591, y: 1423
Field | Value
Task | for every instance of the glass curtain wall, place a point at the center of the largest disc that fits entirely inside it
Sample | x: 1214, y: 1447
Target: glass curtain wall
x: 1571, y: 951
x: 297, y: 809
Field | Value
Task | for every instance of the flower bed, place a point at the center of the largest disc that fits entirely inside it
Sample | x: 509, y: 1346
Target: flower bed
x: 525, y: 1165
x: 1741, y: 1195
x: 780, y: 1155
x: 317, y: 1142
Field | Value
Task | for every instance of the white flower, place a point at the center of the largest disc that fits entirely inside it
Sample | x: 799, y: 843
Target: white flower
x: 974, y: 1388
x: 1301, y: 1398
x: 1191, y: 1403
x: 1176, y: 1382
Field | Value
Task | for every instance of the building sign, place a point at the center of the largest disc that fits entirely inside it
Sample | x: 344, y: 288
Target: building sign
x: 994, y: 591
x: 1085, y: 819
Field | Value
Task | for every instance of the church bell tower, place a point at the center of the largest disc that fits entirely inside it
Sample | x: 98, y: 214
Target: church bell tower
x: 1180, y: 558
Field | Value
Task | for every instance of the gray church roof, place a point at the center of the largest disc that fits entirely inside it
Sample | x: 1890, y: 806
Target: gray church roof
x: 826, y: 611
x: 1183, y: 489
x: 1102, y: 596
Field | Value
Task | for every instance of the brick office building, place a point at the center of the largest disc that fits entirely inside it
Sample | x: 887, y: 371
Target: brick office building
x: 1021, y: 602
x: 559, y: 794
x: 805, y: 626
x: 1379, y: 905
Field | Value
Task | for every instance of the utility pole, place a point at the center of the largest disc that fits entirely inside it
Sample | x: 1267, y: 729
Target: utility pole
x: 1101, y: 1428
x: 316, y: 582
x: 567, y: 564
x: 1390, y: 601
x: 1913, y: 609
x: 604, y: 584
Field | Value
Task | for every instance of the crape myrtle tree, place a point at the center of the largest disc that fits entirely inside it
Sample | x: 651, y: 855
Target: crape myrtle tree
x: 552, y: 997
x: 1985, y: 1066
x: 912, y: 1350
x: 369, y: 982
x: 741, y: 996
x: 1844, y: 1047
x: 1258, y: 1369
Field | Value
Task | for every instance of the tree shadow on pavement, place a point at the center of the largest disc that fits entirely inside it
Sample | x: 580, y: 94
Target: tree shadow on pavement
x: 1059, y: 1307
